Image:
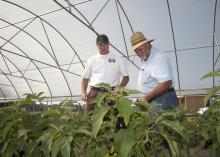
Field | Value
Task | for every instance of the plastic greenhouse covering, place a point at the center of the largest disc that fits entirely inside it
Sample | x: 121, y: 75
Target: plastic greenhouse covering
x: 44, y: 44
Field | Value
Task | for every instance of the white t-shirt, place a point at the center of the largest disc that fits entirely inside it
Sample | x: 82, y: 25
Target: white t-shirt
x: 156, y: 69
x: 107, y: 68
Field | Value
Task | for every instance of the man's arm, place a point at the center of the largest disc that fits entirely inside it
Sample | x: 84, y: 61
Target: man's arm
x: 158, y: 90
x: 84, y: 86
x: 124, y: 81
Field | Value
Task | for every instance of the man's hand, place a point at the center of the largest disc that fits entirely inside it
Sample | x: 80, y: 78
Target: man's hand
x: 84, y: 97
x: 116, y: 91
x: 144, y: 98
x: 84, y: 85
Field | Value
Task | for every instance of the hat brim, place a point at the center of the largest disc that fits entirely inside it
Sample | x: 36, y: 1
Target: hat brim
x: 105, y: 42
x: 141, y: 43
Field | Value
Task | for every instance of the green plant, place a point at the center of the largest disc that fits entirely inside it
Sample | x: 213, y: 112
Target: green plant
x: 117, y: 127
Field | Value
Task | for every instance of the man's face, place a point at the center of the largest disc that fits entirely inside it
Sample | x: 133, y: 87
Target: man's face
x: 143, y: 51
x: 103, y: 48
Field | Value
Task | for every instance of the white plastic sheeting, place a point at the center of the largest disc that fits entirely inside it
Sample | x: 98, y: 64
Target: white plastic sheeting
x: 44, y: 44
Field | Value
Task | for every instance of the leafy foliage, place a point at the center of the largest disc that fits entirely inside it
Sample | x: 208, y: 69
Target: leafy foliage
x: 117, y: 127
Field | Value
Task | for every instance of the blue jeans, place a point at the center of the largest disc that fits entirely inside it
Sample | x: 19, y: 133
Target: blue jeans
x: 166, y: 101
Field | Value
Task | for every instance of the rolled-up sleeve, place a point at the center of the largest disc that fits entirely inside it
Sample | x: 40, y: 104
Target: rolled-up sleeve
x: 162, y: 71
x: 87, y: 71
x: 123, y: 69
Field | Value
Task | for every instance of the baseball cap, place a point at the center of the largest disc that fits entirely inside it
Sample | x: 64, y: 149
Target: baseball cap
x: 102, y: 38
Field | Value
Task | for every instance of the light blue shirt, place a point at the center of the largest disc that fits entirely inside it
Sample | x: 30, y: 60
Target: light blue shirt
x: 156, y: 69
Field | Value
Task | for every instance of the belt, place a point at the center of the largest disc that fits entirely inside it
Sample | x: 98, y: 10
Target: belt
x: 170, y: 90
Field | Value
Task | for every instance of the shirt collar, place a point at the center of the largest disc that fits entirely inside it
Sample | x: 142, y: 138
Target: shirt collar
x: 152, y: 51
x: 103, y: 56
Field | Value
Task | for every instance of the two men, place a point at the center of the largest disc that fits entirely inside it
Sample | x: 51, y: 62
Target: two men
x: 104, y: 67
x: 155, y: 77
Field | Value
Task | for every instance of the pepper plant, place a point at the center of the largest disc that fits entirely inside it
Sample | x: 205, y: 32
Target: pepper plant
x: 117, y: 127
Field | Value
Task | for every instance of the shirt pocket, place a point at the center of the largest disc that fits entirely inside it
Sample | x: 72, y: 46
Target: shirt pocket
x: 98, y: 67
x: 145, y: 75
x: 113, y: 68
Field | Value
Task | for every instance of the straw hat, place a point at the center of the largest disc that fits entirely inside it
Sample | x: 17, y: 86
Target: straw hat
x: 138, y: 39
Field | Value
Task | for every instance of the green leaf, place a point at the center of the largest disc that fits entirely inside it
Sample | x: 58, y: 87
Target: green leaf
x: 176, y: 126
x: 101, y: 150
x: 9, y: 151
x: 57, y: 126
x: 84, y: 132
x: 51, y: 139
x: 39, y: 94
x: 211, y: 74
x: 124, y: 141
x: 32, y: 147
x: 66, y: 102
x: 44, y: 150
x: 211, y: 93
x: 97, y: 118
x: 172, y: 145
x: 36, y: 153
x: 100, y: 98
x: 4, y: 133
x: 163, y: 153
x: 218, y: 134
x: 65, y: 144
x: 51, y: 113
x: 55, y: 149
x: 108, y: 155
x: 46, y: 135
x: 148, y: 117
x: 89, y: 152
x: 143, y: 105
x: 5, y: 117
x: 124, y: 107
x: 22, y: 132
x: 105, y: 86
x: 47, y: 139
x: 126, y: 92
x: 120, y: 91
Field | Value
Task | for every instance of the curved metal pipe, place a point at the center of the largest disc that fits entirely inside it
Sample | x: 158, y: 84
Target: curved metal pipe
x: 34, y: 65
x: 122, y: 30
x: 213, y: 43
x: 11, y: 84
x: 174, y: 44
x: 3, y: 94
x: 8, y: 51
x: 45, y: 49
x: 19, y: 71
x: 126, y: 16
x: 88, y: 26
x: 50, y: 26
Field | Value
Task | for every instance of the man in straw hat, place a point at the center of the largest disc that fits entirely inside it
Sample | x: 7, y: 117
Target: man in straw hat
x: 104, y: 67
x: 155, y: 77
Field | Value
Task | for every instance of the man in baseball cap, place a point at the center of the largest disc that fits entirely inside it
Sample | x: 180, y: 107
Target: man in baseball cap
x: 104, y: 67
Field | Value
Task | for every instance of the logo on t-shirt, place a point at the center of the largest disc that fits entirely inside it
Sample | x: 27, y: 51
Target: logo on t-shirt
x: 111, y: 60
